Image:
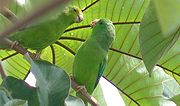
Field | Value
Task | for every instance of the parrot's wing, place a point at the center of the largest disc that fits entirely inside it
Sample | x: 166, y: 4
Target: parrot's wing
x: 101, y: 70
x: 36, y: 24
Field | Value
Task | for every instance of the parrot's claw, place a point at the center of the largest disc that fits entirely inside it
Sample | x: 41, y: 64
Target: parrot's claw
x: 37, y: 55
x: 80, y: 88
x: 15, y: 43
x: 93, y: 23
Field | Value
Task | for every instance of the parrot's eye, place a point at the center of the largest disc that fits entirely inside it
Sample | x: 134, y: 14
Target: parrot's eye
x: 100, y: 23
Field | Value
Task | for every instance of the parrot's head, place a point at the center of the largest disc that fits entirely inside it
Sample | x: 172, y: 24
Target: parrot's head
x: 104, y: 26
x: 75, y: 13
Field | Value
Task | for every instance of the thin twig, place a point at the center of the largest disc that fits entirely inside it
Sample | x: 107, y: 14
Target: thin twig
x: 2, y: 71
x: 39, y: 12
x: 84, y: 93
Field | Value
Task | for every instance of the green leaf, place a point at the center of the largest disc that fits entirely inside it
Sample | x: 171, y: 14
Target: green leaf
x: 171, y: 61
x: 168, y: 15
x: 99, y: 95
x: 16, y: 66
x: 7, y: 100
x: 52, y: 82
x: 3, y: 96
x: 74, y: 101
x: 120, y: 12
x: 176, y: 99
x: 21, y: 90
x: 170, y: 88
x: 131, y: 77
x: 16, y: 102
x: 152, y: 44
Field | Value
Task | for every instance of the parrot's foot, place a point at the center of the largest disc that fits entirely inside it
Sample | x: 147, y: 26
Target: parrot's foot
x: 80, y: 88
x: 15, y: 43
x: 37, y: 55
x: 93, y: 23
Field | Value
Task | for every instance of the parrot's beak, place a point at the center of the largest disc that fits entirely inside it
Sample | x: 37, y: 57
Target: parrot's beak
x: 79, y: 18
x: 93, y: 23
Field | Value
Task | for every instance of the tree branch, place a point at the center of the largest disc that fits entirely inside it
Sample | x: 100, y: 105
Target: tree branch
x: 8, y: 14
x: 84, y: 93
x: 17, y: 48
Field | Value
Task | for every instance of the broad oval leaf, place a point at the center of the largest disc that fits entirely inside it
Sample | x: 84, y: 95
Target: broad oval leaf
x: 168, y: 15
x: 16, y: 102
x: 52, y: 82
x: 130, y: 77
x: 21, y: 90
x: 126, y: 15
x: 176, y: 99
x: 74, y: 101
x: 98, y: 94
x: 152, y: 44
x: 171, y: 61
x: 3, y: 96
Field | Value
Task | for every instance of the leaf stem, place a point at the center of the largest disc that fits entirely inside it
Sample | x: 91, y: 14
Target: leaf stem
x: 88, y: 26
x: 122, y: 91
x: 65, y: 47
x: 9, y: 56
x: 93, y: 3
x: 53, y: 54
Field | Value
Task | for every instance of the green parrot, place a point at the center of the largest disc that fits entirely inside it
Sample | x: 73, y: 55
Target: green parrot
x: 91, y: 58
x: 40, y: 35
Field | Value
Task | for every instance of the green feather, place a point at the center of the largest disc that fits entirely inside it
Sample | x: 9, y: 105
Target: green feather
x: 91, y: 58
x: 41, y: 35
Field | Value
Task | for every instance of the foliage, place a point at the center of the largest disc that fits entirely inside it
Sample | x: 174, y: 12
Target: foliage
x: 145, y: 33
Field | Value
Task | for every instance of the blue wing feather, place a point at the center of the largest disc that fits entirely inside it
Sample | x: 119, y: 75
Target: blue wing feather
x: 101, y: 70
